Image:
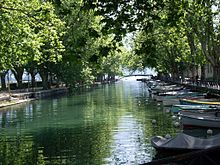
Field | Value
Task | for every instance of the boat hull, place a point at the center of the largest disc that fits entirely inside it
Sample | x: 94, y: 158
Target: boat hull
x: 193, y: 121
x: 198, y: 102
x: 178, y: 108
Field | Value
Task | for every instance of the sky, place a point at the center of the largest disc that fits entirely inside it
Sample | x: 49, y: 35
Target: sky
x: 145, y: 71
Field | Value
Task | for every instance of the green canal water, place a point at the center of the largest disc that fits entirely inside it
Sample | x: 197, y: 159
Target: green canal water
x: 108, y: 125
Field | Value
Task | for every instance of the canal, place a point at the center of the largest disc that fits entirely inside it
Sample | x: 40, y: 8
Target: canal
x: 109, y: 125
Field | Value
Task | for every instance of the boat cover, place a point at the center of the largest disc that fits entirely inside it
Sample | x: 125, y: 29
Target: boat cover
x: 184, y: 141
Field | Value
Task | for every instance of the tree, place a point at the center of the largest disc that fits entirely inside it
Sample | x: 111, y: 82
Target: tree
x: 31, y: 32
x: 85, y: 45
x: 202, y: 18
x: 198, y: 22
x: 122, y: 16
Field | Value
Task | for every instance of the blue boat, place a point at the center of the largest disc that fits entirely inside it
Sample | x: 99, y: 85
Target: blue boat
x: 177, y: 108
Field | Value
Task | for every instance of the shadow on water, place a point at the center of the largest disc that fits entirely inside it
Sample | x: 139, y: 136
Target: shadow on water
x: 85, y: 145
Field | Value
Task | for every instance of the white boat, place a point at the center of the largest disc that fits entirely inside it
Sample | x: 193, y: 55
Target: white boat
x: 200, y: 119
x: 177, y: 95
x: 165, y: 88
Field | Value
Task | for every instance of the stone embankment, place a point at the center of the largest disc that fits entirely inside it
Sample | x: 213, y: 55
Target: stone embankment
x: 20, y: 96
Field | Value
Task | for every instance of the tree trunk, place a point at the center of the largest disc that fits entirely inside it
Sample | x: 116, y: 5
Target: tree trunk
x: 44, y: 77
x: 33, y: 81
x: 18, y: 73
x: 100, y: 78
x: 203, y: 73
x: 3, y: 83
x: 216, y: 73
x: 175, y: 72
x: 191, y: 43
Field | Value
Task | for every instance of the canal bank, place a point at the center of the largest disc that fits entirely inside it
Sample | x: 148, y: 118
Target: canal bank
x: 29, y: 94
x: 21, y: 96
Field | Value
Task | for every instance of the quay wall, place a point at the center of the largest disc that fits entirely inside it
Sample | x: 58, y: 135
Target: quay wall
x: 40, y: 94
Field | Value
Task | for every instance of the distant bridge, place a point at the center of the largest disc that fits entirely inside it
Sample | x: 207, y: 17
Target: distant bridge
x: 147, y: 75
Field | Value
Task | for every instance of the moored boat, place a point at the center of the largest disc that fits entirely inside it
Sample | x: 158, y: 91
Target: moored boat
x: 200, y: 119
x: 177, y: 108
x: 199, y: 102
x: 177, y: 95
x: 185, y: 149
x: 170, y: 102
x: 166, y: 88
x: 184, y: 143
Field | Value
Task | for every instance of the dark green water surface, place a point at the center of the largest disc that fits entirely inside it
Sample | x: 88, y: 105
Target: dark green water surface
x: 107, y: 125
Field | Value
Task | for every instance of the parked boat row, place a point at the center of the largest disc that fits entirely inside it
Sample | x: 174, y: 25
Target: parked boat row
x: 182, y: 100
x: 170, y: 94
x: 193, y: 109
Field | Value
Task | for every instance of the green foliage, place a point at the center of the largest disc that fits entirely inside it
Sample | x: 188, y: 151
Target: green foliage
x: 85, y: 45
x: 171, y: 34
x: 121, y: 16
x: 31, y: 30
x: 77, y: 41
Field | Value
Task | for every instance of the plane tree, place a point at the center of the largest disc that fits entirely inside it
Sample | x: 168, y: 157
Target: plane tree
x: 85, y: 46
x: 16, y: 37
x: 30, y: 32
x: 196, y: 21
x: 79, y: 41
x: 201, y: 19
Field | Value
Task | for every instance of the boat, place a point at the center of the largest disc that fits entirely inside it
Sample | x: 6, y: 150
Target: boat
x: 185, y: 149
x: 173, y: 97
x: 184, y: 143
x: 178, y: 107
x: 199, y: 101
x: 166, y: 88
x: 177, y: 94
x: 170, y: 102
x: 200, y: 119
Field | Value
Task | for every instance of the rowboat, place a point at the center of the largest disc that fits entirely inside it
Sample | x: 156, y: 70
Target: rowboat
x: 165, y: 88
x: 200, y: 119
x: 177, y: 108
x: 177, y: 94
x: 200, y: 102
x: 186, y: 149
x: 170, y: 102
x: 184, y: 142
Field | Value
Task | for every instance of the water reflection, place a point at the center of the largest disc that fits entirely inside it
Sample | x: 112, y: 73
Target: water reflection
x: 108, y: 125
x: 129, y: 145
